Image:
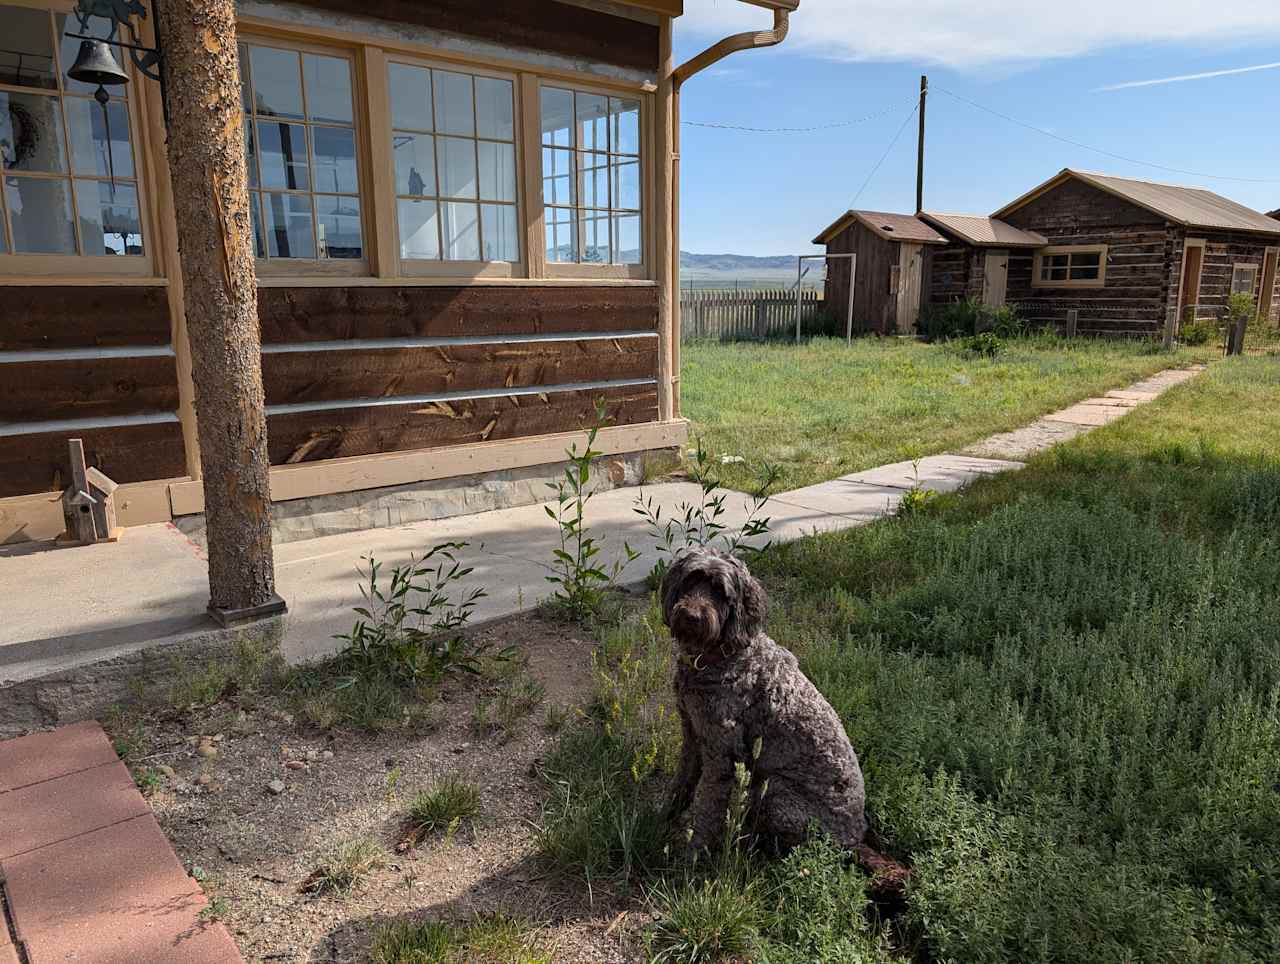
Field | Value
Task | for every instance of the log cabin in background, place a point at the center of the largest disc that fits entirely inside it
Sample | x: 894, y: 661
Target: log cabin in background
x: 1120, y: 252
x: 464, y: 217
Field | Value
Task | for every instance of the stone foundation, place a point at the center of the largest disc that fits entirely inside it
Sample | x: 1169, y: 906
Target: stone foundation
x: 327, y: 515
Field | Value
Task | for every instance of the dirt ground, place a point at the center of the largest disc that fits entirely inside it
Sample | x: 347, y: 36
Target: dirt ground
x: 253, y: 848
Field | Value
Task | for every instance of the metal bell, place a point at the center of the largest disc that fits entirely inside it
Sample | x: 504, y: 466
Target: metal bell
x: 95, y: 64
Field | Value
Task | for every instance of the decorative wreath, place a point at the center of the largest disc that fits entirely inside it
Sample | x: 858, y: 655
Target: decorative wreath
x: 26, y: 135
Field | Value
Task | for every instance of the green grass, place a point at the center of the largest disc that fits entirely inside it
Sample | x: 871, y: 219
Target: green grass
x: 485, y: 940
x: 1064, y: 687
x: 449, y: 803
x: 824, y: 409
x: 346, y: 867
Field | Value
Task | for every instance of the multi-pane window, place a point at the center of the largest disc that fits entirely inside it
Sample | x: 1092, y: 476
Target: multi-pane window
x: 300, y: 138
x: 70, y: 184
x: 1243, y: 278
x: 591, y: 177
x: 453, y: 143
x: 1071, y: 266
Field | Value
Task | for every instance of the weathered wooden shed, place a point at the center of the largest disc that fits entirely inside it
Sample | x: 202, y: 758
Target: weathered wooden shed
x: 1124, y: 252
x: 889, y: 276
x: 464, y: 217
x: 980, y: 258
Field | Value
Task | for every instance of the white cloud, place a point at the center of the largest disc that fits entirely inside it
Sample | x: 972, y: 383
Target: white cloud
x: 954, y: 33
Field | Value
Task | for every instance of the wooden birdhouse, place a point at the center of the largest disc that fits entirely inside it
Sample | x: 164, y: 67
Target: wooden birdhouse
x: 88, y: 504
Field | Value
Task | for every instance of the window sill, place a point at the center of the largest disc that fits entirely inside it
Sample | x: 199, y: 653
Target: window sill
x: 303, y: 281
x: 83, y: 281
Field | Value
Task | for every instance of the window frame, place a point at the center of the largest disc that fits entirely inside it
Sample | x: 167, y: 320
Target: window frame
x: 636, y: 272
x: 79, y: 266
x: 412, y: 268
x: 1238, y: 269
x: 1070, y: 249
x: 268, y: 267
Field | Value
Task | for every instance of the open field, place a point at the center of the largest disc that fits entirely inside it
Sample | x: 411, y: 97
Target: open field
x: 824, y: 409
x: 1065, y: 691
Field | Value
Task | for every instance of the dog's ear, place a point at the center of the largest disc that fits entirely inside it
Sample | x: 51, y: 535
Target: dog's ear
x: 673, y: 584
x: 747, y: 615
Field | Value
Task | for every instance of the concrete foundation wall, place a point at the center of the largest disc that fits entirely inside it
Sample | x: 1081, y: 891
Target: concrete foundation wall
x: 328, y: 515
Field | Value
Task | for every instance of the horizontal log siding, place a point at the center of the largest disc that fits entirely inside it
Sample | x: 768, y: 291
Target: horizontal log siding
x: 132, y: 453
x: 324, y: 314
x: 348, y: 354
x: 540, y: 25
x: 1222, y: 252
x: 310, y: 436
x: 294, y: 377
x: 948, y: 269
x: 119, y: 335
x: 1133, y: 299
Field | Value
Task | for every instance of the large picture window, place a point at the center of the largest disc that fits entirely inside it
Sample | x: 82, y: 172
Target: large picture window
x: 1076, y: 266
x: 300, y: 138
x: 453, y: 144
x: 591, y: 177
x: 70, y: 184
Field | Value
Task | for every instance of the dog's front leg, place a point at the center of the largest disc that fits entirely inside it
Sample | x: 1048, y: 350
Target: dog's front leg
x: 722, y: 750
x: 690, y: 771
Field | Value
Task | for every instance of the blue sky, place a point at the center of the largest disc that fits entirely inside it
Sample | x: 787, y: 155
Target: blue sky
x: 846, y: 59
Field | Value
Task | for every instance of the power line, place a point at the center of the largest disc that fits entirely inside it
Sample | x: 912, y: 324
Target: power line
x: 793, y: 130
x: 1099, y: 150
x: 887, y: 151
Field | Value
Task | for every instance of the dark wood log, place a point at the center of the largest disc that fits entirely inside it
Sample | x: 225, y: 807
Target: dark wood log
x: 327, y: 314
x: 79, y: 316
x: 89, y: 388
x: 134, y: 453
x: 379, y: 373
x: 339, y: 433
x: 539, y: 25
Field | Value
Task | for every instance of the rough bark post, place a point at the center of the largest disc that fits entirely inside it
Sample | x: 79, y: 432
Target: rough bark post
x: 215, y: 240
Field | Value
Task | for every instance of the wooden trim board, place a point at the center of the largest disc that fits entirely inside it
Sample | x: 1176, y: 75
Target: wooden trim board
x: 37, y: 518
x: 289, y: 482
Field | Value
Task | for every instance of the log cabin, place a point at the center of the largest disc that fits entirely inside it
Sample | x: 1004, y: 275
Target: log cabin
x: 1121, y: 253
x: 464, y: 218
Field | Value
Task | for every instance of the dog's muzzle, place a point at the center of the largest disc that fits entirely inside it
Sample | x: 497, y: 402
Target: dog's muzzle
x: 696, y: 622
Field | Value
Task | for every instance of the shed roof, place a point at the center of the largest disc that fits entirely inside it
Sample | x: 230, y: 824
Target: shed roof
x: 1190, y: 206
x: 891, y: 227
x: 982, y: 231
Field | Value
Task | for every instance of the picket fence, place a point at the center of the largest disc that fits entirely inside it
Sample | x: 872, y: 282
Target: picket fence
x: 745, y: 315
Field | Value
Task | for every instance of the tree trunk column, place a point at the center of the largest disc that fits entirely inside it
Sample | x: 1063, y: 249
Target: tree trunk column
x: 215, y: 241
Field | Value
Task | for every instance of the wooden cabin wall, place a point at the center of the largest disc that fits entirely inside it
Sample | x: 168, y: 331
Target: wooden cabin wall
x: 364, y: 370
x: 544, y: 25
x: 874, y: 308
x: 1223, y: 251
x: 1132, y: 301
x: 948, y: 271
x: 86, y: 353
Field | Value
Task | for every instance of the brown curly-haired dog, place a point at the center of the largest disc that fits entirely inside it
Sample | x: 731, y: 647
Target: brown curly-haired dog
x: 734, y: 686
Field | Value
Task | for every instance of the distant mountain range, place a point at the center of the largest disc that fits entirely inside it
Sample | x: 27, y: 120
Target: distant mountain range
x: 776, y: 269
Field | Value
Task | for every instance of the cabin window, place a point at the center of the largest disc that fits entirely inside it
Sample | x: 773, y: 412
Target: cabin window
x: 453, y: 146
x: 1065, y: 267
x: 70, y: 183
x: 591, y: 177
x: 300, y: 142
x: 1244, y: 278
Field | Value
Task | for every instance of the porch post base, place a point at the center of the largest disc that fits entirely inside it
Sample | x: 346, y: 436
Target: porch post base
x: 227, y: 618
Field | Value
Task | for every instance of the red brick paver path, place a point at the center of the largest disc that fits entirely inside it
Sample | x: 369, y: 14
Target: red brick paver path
x: 87, y: 874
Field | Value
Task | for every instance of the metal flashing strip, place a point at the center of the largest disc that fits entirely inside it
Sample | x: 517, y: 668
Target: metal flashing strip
x: 85, y: 424
x: 360, y: 344
x: 479, y: 393
x: 84, y: 354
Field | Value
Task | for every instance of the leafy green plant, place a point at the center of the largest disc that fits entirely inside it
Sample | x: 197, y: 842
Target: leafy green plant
x: 964, y: 319
x: 1202, y: 332
x: 986, y: 344
x: 702, y: 523
x: 581, y: 580
x: 410, y: 626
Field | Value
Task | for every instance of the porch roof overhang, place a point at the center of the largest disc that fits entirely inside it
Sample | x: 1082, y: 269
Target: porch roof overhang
x: 984, y: 232
x: 675, y: 8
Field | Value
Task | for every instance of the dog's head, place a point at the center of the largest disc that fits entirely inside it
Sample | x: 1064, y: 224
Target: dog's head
x: 711, y: 603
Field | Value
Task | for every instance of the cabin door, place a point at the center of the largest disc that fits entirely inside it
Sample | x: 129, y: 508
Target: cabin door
x: 995, y: 279
x: 910, y: 286
x: 1189, y: 290
x: 1267, y: 294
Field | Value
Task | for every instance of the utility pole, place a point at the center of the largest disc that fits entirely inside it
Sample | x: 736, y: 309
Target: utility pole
x: 924, y: 95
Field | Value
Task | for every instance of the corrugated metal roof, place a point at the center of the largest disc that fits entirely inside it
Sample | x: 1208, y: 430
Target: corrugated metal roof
x: 1191, y: 206
x: 984, y: 231
x: 891, y: 227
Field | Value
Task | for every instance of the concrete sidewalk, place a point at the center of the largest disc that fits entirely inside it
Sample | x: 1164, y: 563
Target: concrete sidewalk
x: 72, y: 607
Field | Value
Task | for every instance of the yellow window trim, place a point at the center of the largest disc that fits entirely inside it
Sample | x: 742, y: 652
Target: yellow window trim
x: 1099, y: 282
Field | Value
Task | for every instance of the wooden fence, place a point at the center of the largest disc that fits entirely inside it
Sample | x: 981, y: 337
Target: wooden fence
x: 729, y: 315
